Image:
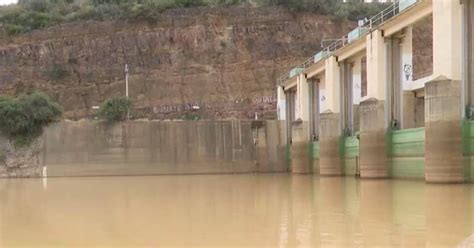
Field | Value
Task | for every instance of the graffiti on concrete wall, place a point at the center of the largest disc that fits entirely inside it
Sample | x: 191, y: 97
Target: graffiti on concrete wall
x: 166, y: 109
x: 408, y: 71
x: 264, y: 99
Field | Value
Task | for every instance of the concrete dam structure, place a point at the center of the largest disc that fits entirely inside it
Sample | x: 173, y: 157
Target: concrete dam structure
x: 391, y: 99
x: 394, y: 98
x: 163, y: 148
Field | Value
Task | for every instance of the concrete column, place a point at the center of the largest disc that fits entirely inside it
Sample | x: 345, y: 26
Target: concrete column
x: 372, y: 146
x: 447, y: 39
x: 330, y: 123
x: 332, y: 86
x: 322, y: 94
x: 443, y: 140
x: 407, y: 59
x: 357, y: 81
x: 313, y: 107
x: 281, y: 103
x: 289, y: 112
x: 300, y: 154
x: 303, y: 98
x: 376, y: 66
x: 356, y: 92
x: 373, y: 159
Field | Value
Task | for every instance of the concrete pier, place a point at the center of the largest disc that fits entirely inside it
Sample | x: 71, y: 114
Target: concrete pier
x: 373, y: 158
x: 300, y: 153
x: 330, y: 163
x: 443, y: 142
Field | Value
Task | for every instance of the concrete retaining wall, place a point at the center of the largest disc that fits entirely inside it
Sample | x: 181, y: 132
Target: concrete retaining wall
x: 174, y: 147
x: 271, y: 146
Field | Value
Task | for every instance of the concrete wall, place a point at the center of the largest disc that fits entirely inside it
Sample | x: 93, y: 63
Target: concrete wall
x: 145, y: 148
x: 271, y: 146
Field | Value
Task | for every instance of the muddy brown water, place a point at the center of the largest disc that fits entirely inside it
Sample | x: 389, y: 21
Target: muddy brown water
x: 277, y: 210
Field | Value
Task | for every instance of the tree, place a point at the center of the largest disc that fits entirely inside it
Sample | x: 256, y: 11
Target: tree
x: 22, y: 119
x: 115, y: 109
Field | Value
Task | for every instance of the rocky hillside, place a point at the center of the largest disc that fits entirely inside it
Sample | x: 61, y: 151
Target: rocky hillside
x: 211, y: 63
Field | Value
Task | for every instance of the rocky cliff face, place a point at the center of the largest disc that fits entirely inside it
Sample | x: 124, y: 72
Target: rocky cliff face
x: 208, y: 62
x: 21, y: 161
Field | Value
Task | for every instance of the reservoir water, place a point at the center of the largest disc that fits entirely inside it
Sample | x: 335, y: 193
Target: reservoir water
x: 275, y: 210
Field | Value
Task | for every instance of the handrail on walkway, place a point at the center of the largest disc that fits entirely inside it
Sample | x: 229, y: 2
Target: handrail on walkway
x: 365, y: 26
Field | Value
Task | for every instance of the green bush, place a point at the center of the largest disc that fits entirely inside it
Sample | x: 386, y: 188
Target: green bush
x: 115, y: 109
x: 35, y: 14
x: 5, y: 98
x: 57, y: 72
x: 357, y: 11
x: 22, y: 119
x: 3, y: 157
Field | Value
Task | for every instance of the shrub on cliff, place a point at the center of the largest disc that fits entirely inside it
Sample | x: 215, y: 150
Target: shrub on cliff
x: 115, y: 109
x: 3, y: 157
x: 57, y: 72
x: 22, y: 119
x: 35, y: 14
x: 357, y: 11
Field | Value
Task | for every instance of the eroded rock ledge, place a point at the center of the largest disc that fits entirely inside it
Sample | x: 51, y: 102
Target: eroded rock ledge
x: 23, y: 161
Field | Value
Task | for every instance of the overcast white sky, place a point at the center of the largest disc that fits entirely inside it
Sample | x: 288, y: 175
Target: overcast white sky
x: 3, y: 2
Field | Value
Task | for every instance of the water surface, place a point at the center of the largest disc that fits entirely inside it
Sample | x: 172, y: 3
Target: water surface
x: 233, y: 210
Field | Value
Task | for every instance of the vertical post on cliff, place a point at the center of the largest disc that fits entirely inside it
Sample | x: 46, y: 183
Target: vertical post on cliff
x: 126, y: 88
x: 126, y: 80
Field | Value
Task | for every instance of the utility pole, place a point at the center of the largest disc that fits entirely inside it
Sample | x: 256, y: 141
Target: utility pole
x: 126, y: 80
x: 126, y: 89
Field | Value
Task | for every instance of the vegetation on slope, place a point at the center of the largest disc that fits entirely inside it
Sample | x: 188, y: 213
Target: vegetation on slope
x: 29, y: 15
x: 115, y: 109
x: 22, y: 119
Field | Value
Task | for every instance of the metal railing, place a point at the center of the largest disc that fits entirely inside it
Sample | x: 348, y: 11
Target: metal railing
x: 367, y: 26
